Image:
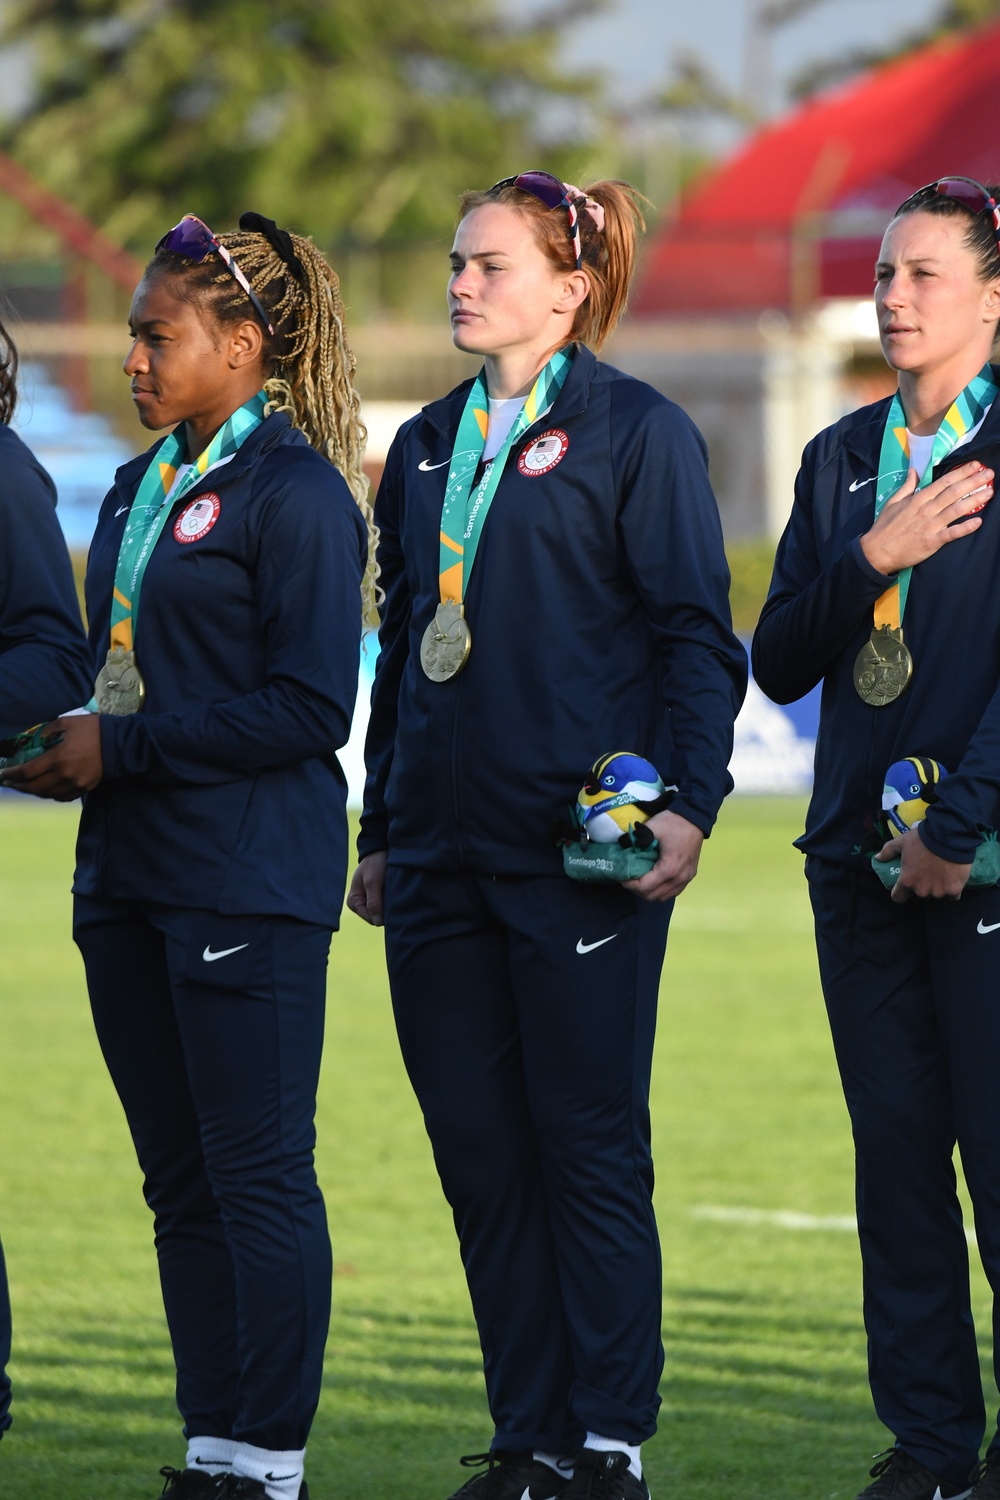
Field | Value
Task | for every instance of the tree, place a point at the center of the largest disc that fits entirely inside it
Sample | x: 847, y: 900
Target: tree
x: 356, y: 120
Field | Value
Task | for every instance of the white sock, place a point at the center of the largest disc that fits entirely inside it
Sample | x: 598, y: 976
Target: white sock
x: 563, y: 1465
x: 615, y: 1445
x: 210, y: 1455
x: 280, y: 1473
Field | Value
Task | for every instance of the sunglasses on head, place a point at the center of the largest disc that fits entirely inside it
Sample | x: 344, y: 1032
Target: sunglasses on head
x: 967, y: 191
x: 194, y: 240
x: 550, y: 191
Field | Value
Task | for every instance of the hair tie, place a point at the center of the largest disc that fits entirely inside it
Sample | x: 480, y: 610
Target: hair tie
x: 592, y: 206
x: 279, y: 239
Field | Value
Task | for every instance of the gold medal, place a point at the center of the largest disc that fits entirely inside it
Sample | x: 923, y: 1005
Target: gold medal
x: 119, y: 688
x: 447, y: 642
x: 883, y: 667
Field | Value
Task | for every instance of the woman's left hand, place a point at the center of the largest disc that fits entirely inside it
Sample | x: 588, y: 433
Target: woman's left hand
x: 680, y: 850
x: 923, y: 873
x: 69, y: 769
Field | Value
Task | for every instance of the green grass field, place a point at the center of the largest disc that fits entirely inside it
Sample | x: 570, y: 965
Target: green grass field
x: 764, y: 1393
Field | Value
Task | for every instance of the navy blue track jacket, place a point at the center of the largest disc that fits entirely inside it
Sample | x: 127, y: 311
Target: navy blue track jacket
x: 818, y: 615
x: 225, y: 790
x: 45, y: 665
x: 599, y: 615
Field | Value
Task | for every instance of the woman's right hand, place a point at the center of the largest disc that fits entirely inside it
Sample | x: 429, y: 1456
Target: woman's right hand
x: 914, y: 524
x: 364, y: 898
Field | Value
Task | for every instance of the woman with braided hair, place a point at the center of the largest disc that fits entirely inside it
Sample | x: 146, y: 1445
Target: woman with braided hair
x: 225, y: 589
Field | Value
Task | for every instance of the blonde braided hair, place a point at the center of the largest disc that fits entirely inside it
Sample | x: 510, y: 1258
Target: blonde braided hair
x: 308, y: 362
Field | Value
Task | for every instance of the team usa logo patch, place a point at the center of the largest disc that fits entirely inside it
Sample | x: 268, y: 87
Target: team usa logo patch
x: 197, y: 519
x: 543, y: 453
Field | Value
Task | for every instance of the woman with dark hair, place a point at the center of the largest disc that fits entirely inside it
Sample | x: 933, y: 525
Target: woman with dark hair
x: 555, y: 587
x: 44, y: 657
x: 885, y: 590
x: 225, y: 590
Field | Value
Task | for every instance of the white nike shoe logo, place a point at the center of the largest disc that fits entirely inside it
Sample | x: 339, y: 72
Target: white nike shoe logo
x: 426, y: 467
x: 983, y: 927
x: 583, y: 947
x: 210, y: 957
x: 859, y: 484
x: 120, y: 511
x: 963, y: 1496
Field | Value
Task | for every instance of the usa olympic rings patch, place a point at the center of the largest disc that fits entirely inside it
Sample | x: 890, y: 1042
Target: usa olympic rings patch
x: 197, y: 519
x: 542, y: 455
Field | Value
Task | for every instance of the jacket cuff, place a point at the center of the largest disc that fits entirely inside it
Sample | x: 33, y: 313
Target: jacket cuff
x: 373, y: 836
x: 872, y: 574
x: 125, y: 748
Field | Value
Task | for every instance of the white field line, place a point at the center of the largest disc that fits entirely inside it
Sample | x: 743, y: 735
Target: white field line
x: 779, y: 1218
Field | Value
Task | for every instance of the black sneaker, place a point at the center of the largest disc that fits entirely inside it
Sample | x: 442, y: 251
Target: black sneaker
x: 510, y: 1476
x: 987, y: 1486
x: 192, y: 1484
x: 897, y: 1476
x: 603, y: 1476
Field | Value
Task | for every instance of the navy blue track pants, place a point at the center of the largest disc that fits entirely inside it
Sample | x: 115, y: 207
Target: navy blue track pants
x: 526, y: 1011
x: 212, y: 1029
x: 913, y: 995
x: 4, y: 1347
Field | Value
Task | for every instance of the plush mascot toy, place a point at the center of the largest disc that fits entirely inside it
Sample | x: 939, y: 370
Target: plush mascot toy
x: 607, y: 837
x: 622, y: 791
x: 911, y: 787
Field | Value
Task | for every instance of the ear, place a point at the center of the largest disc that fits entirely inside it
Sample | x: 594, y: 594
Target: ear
x: 245, y: 344
x: 991, y: 304
x: 572, y: 292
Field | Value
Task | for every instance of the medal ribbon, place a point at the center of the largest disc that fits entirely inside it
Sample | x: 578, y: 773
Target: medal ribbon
x: 462, y: 513
x: 150, y: 512
x: 894, y: 462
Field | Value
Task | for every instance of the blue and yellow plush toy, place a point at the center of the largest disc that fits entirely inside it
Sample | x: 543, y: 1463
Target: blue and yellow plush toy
x: 911, y: 787
x: 608, y: 838
x: 621, y: 792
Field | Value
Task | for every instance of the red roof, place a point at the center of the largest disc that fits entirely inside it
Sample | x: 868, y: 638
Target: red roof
x: 799, y: 211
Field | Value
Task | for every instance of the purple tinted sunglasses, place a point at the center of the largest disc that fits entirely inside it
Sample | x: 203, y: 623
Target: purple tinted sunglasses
x: 967, y: 191
x: 550, y: 191
x: 194, y: 240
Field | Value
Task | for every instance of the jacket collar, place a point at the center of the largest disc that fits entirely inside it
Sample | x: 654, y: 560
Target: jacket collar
x: 865, y: 439
x: 273, y: 430
x: 445, y: 415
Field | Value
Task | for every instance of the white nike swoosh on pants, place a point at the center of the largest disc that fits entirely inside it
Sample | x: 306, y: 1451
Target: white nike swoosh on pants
x: 210, y: 957
x: 583, y: 947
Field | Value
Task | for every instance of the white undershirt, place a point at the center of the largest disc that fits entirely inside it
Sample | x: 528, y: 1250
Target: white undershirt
x: 503, y: 415
x: 182, y: 470
x: 921, y: 447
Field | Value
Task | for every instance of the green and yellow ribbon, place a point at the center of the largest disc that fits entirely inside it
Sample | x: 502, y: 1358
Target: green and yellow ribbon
x: 150, y: 512
x: 964, y: 413
x: 463, y: 513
